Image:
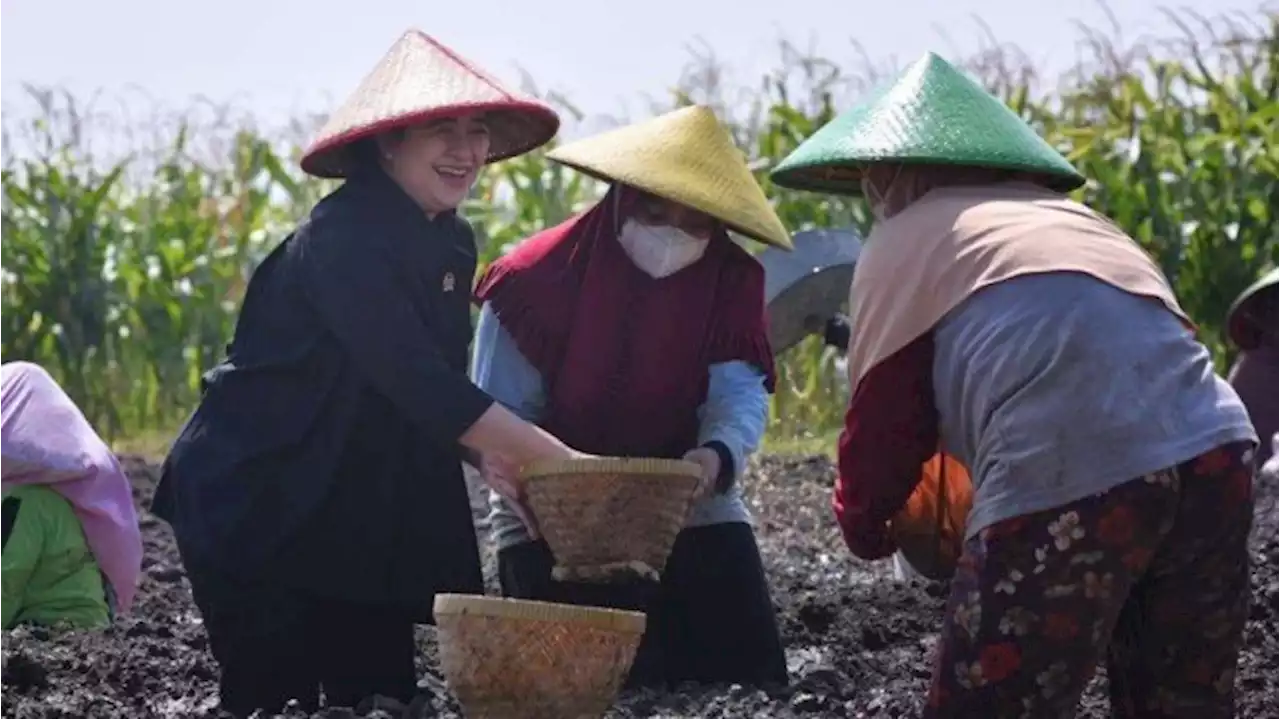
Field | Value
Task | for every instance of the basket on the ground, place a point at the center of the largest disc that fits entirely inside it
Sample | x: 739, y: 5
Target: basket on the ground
x: 611, y: 516
x: 517, y: 659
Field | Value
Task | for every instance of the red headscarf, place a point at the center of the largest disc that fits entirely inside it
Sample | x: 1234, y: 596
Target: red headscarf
x: 625, y: 357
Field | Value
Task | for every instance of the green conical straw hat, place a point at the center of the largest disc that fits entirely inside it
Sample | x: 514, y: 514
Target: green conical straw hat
x: 1242, y: 333
x: 929, y: 114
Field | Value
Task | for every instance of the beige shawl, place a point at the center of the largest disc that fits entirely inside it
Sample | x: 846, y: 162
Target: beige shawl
x: 920, y: 264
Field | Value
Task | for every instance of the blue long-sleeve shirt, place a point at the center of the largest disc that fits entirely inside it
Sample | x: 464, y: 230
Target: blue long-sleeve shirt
x: 734, y: 413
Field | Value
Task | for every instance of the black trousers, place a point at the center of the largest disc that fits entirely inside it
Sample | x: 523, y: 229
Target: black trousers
x: 274, y: 644
x: 710, y: 619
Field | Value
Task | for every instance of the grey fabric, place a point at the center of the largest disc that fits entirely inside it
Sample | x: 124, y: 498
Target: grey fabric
x: 1057, y: 386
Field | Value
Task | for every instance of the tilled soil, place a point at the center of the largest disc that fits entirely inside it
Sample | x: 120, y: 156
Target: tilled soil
x: 858, y: 643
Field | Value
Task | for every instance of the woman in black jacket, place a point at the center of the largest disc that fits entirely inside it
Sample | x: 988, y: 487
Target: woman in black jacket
x: 317, y: 492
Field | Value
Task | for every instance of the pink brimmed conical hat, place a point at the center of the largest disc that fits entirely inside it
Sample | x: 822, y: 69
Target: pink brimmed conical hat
x: 420, y: 79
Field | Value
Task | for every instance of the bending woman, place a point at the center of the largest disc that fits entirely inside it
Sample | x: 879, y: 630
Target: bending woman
x: 317, y: 492
x: 72, y: 548
x: 638, y: 329
x: 998, y: 322
x: 1255, y: 375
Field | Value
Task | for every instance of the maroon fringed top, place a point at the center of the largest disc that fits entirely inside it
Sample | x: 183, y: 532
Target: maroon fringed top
x: 625, y: 357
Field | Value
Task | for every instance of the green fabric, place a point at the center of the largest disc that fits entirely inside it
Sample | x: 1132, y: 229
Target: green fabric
x: 49, y: 573
x: 1241, y: 332
x: 931, y: 113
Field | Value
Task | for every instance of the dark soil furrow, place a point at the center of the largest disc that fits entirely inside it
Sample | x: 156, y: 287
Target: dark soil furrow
x: 858, y: 646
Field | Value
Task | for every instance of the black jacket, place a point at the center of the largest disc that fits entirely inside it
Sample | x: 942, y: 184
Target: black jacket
x: 324, y: 451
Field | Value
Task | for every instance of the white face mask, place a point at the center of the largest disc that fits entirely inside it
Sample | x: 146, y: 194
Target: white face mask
x: 660, y: 250
x: 875, y: 199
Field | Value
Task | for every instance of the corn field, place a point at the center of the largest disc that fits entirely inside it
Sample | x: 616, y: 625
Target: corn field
x: 123, y: 272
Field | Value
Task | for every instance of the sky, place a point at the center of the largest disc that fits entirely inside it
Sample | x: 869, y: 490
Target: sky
x: 277, y: 58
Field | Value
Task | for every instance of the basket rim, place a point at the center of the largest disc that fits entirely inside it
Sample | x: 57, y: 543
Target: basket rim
x: 638, y: 466
x: 530, y: 610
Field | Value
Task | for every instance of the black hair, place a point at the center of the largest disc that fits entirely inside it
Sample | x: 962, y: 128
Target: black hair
x: 366, y: 153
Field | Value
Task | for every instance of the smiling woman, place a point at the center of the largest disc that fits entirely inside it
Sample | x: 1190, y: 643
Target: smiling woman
x: 436, y: 163
x: 317, y: 493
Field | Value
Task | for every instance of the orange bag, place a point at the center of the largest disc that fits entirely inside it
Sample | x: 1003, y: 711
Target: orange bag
x: 929, y: 530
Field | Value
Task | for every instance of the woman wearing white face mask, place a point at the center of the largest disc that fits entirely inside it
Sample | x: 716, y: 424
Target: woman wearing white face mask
x: 637, y: 328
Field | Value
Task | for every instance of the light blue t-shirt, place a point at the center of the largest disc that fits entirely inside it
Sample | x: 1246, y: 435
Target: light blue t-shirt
x: 1054, y: 387
x: 734, y: 412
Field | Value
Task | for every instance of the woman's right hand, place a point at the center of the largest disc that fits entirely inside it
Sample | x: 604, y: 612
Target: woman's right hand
x: 503, y: 476
x: 576, y: 455
x: 499, y: 432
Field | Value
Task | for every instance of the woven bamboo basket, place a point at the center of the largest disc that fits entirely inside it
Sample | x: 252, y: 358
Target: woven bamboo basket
x: 518, y: 659
x: 611, y: 517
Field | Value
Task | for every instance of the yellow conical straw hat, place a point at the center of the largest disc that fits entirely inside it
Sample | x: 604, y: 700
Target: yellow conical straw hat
x: 685, y: 156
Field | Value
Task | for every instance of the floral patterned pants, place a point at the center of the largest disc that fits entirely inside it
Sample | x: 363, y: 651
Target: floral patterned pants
x: 1153, y: 574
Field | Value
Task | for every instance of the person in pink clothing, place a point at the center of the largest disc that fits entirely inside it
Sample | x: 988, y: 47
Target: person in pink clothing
x: 47, y: 444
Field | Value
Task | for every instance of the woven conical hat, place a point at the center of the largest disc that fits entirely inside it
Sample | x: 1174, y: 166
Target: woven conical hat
x: 420, y: 79
x: 1244, y: 335
x: 929, y: 114
x: 685, y: 156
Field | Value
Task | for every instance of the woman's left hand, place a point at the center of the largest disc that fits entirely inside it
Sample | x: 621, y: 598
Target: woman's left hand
x: 709, y: 461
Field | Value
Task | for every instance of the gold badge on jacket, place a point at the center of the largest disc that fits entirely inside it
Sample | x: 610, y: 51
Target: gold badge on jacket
x: 447, y: 284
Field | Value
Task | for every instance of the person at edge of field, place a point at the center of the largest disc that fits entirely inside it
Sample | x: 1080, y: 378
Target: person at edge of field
x: 637, y: 329
x: 1002, y: 325
x: 317, y: 493
x: 72, y: 548
x: 1255, y: 375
